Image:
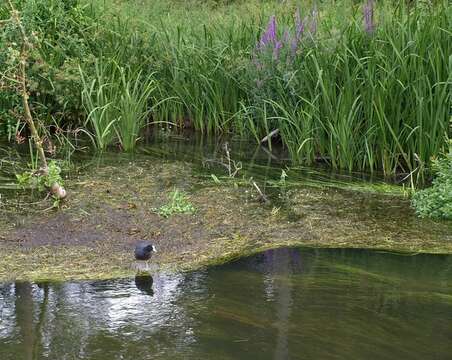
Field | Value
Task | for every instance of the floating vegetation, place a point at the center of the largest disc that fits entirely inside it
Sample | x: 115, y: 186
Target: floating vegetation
x: 178, y: 203
x: 115, y: 202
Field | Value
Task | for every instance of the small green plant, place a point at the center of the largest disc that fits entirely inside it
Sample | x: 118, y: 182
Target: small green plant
x: 436, y: 201
x: 41, y: 181
x: 178, y: 204
x: 282, y: 179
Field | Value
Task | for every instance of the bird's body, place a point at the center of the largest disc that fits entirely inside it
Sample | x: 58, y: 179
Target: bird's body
x: 144, y: 250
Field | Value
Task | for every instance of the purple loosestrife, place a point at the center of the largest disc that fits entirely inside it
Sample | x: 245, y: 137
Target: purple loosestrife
x: 286, y: 47
x: 299, y: 25
x: 277, y: 49
x: 299, y: 30
x: 313, y: 27
x: 369, y: 25
x: 269, y: 36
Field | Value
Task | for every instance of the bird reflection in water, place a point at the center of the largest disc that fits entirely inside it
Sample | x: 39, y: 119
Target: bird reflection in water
x: 143, y: 282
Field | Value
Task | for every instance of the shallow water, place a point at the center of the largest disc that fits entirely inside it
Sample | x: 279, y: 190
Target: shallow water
x: 289, y: 303
x: 307, y: 205
x: 208, y: 156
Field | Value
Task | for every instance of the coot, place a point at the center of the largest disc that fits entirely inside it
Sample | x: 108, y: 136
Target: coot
x: 143, y: 250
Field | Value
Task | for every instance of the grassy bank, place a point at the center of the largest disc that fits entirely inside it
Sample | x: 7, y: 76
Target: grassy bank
x: 358, y: 85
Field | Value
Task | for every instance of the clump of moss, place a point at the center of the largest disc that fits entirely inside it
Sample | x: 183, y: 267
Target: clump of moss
x: 436, y: 201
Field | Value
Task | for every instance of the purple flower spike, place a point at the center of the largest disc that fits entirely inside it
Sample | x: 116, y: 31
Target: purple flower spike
x: 299, y: 25
x: 269, y: 36
x: 286, y: 37
x: 299, y: 31
x: 368, y: 11
x: 276, y: 50
x: 314, y: 14
x: 272, y: 28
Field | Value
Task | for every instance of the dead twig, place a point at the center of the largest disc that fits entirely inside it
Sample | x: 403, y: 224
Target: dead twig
x: 261, y: 194
x: 269, y: 136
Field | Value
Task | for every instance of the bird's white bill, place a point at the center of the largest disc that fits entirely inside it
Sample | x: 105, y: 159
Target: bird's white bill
x: 154, y: 249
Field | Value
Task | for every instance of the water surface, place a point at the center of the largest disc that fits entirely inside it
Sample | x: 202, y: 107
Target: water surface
x: 282, y: 304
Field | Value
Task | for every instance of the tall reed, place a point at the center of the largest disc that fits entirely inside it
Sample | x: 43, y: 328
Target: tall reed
x: 117, y: 102
x: 359, y: 85
x: 133, y: 93
x: 99, y: 98
x: 373, y: 96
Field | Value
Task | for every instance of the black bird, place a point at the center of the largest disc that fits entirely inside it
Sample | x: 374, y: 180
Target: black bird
x: 144, y: 250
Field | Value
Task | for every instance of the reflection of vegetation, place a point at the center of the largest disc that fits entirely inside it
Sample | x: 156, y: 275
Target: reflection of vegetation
x: 436, y: 201
x: 178, y: 204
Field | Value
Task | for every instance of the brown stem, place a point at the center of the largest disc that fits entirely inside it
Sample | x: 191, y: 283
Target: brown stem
x: 23, y: 84
x: 29, y: 118
x: 56, y: 189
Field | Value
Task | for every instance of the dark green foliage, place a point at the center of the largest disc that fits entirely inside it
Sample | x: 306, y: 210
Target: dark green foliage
x: 436, y: 201
x: 373, y: 101
x: 62, y: 34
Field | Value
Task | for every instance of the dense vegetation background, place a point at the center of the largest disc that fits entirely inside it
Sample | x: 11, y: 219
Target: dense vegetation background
x: 360, y: 85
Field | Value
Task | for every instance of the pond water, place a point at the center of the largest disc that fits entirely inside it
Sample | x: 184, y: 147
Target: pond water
x: 290, y: 303
x: 208, y: 156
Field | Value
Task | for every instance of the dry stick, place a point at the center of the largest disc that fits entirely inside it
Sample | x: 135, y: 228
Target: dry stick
x: 228, y: 157
x: 29, y: 119
x: 270, y: 135
x: 56, y: 188
x: 261, y: 194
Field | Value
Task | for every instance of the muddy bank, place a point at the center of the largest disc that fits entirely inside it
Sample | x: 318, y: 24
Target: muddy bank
x: 113, y: 206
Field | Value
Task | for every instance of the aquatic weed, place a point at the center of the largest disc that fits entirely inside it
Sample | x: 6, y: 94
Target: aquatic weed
x: 178, y: 204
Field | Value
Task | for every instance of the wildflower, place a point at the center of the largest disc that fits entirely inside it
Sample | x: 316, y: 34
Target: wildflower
x: 269, y: 36
x: 369, y: 25
x: 299, y: 30
x: 299, y: 25
x: 276, y: 49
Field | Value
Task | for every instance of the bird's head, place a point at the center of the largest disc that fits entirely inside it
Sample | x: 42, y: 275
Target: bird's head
x: 151, y: 248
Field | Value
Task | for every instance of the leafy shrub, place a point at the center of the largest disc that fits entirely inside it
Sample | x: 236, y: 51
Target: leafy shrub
x: 62, y: 34
x: 436, y: 201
